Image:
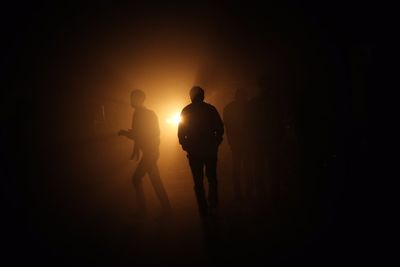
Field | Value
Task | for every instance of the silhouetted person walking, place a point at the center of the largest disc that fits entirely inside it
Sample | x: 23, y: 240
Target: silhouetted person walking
x: 237, y: 130
x: 200, y: 133
x: 145, y: 133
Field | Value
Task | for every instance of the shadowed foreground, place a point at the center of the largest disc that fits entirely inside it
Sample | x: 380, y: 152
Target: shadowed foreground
x: 89, y: 218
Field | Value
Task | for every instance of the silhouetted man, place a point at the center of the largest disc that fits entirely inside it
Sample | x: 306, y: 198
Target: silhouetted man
x: 145, y: 133
x: 268, y: 128
x: 200, y: 133
x: 237, y: 130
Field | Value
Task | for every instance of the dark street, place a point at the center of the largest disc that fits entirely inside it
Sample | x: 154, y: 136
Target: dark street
x: 271, y: 99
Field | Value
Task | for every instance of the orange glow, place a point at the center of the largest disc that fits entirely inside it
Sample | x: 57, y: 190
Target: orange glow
x: 174, y: 119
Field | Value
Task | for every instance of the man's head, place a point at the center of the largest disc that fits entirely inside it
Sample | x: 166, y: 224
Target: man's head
x: 137, y: 98
x: 196, y: 94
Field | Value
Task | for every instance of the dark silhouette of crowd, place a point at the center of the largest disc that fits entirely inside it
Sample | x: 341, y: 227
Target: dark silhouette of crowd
x: 261, y: 133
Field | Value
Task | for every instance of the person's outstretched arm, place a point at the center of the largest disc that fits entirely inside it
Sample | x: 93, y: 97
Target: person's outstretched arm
x: 127, y: 133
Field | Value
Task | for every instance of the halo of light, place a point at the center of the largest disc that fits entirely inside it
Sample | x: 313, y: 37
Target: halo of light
x: 174, y: 119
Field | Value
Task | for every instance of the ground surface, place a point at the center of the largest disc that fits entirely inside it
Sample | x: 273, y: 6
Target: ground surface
x: 86, y: 215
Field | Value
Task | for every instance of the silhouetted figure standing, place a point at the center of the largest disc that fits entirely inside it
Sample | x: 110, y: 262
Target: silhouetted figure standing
x: 145, y: 133
x: 200, y: 133
x: 236, y: 124
x: 267, y: 112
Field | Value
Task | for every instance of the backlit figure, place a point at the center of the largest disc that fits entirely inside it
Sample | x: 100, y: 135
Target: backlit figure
x: 200, y: 133
x: 145, y: 133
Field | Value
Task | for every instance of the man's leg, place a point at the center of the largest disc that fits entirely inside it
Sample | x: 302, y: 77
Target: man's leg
x: 158, y: 186
x: 196, y: 166
x: 276, y: 173
x: 211, y: 173
x: 236, y: 168
x: 138, y: 186
x: 260, y: 176
x: 248, y: 170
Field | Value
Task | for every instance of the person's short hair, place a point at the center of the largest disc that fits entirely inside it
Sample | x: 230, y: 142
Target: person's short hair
x: 139, y: 95
x: 196, y: 94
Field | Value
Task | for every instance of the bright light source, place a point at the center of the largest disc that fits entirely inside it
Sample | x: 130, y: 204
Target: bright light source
x: 174, y: 119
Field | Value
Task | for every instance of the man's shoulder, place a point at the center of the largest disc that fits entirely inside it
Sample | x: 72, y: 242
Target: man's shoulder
x: 196, y: 106
x: 152, y: 112
x: 187, y: 108
x: 209, y: 106
x: 230, y: 106
x: 148, y: 113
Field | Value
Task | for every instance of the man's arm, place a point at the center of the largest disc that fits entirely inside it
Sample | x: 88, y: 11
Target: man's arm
x: 127, y: 133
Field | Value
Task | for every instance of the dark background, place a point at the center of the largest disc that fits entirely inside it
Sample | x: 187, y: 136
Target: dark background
x: 46, y: 45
